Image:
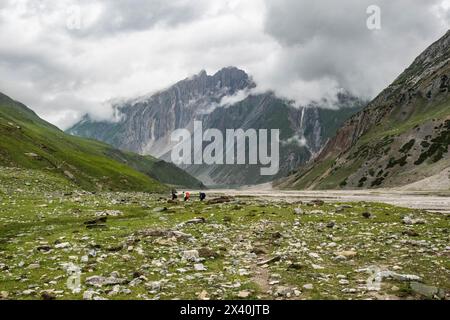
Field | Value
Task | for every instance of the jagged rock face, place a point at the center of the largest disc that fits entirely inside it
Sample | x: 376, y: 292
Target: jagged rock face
x: 147, y: 123
x: 368, y: 151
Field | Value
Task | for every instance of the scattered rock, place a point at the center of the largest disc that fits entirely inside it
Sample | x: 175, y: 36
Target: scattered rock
x: 165, y: 233
x: 347, y: 254
x: 314, y: 255
x: 47, y: 295
x: 316, y: 203
x: 411, y: 221
x: 4, y: 295
x: 268, y: 261
x: 296, y: 266
x: 429, y: 292
x: 99, y: 281
x: 282, y: 291
x: 154, y: 286
x: 223, y: 199
x: 32, y: 155
x: 96, y: 226
x: 199, y: 267
x: 380, y: 274
x: 101, y: 220
x: 259, y: 251
x: 108, y: 213
x: 44, y: 248
x: 277, y: 235
x: 331, y: 224
x: 28, y: 292
x: 191, y: 255
x: 317, y: 267
x: 366, y: 215
x: 203, y: 295
x: 63, y: 245
x: 69, y: 175
x: 89, y: 294
x: 196, y: 221
x: 410, y: 233
x: 115, y: 248
x: 244, y: 294
x: 402, y: 277
x: 207, y: 253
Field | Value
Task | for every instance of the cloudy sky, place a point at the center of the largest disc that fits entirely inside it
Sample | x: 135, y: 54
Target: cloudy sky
x: 65, y: 58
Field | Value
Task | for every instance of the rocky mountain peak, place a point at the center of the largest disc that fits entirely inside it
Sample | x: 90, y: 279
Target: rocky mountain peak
x: 226, y: 81
x: 202, y: 74
x: 231, y: 75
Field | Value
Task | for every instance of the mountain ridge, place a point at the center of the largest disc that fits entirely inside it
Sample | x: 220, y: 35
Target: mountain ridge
x: 387, y: 143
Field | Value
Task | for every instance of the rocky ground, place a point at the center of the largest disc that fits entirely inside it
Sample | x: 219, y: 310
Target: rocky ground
x: 59, y: 243
x: 430, y: 200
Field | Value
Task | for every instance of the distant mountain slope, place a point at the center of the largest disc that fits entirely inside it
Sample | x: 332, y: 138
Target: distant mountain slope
x: 147, y: 123
x: 303, y: 132
x: 29, y: 142
x: 400, y: 138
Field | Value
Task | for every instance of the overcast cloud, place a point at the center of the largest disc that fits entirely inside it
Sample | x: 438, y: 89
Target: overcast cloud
x: 303, y: 50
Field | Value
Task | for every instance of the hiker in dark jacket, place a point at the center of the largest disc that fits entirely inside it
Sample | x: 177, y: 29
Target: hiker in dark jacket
x: 202, y: 196
x: 174, y: 195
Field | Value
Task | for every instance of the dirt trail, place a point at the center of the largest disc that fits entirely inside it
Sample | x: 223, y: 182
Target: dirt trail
x: 261, y: 278
x: 431, y: 201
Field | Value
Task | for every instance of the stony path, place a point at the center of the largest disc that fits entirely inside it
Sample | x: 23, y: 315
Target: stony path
x: 435, y: 202
x: 261, y: 278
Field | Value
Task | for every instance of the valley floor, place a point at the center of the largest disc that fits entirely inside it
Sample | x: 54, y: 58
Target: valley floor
x: 437, y: 201
x: 59, y: 243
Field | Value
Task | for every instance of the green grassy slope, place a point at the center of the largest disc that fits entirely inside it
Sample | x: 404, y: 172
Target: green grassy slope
x: 160, y: 170
x: 30, y: 142
x: 368, y: 163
